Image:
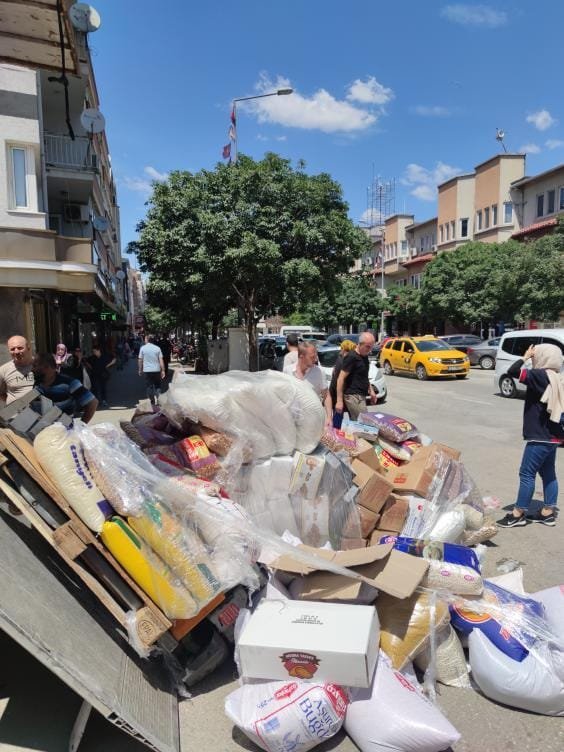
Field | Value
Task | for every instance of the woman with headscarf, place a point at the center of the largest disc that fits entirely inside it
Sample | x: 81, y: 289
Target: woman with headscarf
x: 347, y: 346
x: 61, y: 355
x: 542, y: 430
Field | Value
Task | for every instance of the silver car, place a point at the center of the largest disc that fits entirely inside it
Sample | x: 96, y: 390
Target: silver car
x: 484, y: 354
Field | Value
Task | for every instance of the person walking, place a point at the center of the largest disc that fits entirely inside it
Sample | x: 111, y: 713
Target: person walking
x: 151, y: 366
x: 16, y: 376
x: 353, y: 385
x: 166, y: 349
x: 291, y: 356
x: 76, y: 367
x: 542, y: 431
x: 347, y: 346
x: 61, y: 356
x: 99, y: 365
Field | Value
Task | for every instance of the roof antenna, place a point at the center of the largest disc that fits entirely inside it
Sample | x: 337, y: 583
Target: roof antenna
x: 499, y: 136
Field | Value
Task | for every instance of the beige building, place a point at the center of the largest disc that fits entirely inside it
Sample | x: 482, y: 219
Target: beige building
x: 494, y: 218
x: 395, y: 250
x: 422, y: 248
x: 538, y: 201
x: 61, y: 275
x: 455, y: 211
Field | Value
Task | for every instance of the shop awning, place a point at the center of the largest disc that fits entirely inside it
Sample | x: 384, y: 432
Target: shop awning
x: 419, y: 259
x: 536, y: 228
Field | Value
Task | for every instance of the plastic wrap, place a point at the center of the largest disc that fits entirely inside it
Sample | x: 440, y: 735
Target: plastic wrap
x: 450, y: 662
x: 267, y: 411
x: 60, y: 453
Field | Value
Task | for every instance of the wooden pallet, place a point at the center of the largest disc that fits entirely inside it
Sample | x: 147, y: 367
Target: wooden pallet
x: 50, y: 514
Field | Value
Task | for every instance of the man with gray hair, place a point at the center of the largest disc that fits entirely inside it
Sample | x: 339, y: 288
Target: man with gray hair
x: 353, y: 385
x: 16, y: 376
x: 306, y: 369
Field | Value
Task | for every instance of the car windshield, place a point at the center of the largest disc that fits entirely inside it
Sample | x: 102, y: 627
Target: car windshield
x: 327, y: 358
x: 432, y: 344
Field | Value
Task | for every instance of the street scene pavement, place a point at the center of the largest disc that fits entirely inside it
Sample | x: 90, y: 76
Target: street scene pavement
x: 467, y: 415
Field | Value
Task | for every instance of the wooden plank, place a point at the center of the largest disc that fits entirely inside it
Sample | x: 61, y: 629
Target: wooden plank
x: 66, y: 539
x: 22, y: 451
x: 181, y: 627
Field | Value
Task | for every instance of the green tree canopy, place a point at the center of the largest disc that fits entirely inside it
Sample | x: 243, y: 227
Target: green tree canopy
x: 357, y: 302
x: 258, y: 235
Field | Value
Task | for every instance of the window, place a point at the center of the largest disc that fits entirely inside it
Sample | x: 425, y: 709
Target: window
x: 464, y: 228
x: 540, y: 205
x: 494, y: 215
x: 397, y: 344
x: 447, y: 230
x: 452, y: 230
x: 507, y: 212
x: 487, y: 217
x: 408, y: 347
x: 551, y: 341
x: 550, y: 201
x: 404, y: 246
x: 441, y: 232
x: 519, y: 345
x: 479, y: 220
x: 561, y: 201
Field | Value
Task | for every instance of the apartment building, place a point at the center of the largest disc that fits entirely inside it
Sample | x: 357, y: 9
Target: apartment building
x: 455, y: 211
x: 422, y: 247
x: 494, y: 218
x: 538, y: 201
x: 395, y: 250
x: 61, y: 275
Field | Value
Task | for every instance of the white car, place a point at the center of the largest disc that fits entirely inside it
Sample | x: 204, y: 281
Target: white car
x: 327, y: 358
x: 513, y: 346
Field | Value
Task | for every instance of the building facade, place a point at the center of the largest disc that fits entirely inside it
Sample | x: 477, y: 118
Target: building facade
x: 538, y: 202
x: 61, y: 274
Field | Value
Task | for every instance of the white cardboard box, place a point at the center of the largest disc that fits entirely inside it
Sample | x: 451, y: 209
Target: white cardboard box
x: 307, y: 640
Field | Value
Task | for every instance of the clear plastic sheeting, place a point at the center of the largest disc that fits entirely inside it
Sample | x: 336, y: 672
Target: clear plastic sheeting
x: 269, y: 412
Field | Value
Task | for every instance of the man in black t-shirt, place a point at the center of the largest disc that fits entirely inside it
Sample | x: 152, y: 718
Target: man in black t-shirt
x: 353, y: 385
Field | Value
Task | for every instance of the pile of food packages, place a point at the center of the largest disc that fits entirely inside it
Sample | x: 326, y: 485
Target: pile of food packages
x: 370, y: 539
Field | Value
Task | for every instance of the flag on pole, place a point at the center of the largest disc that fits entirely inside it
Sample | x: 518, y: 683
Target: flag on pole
x: 233, y: 120
x: 232, y: 133
x: 227, y: 151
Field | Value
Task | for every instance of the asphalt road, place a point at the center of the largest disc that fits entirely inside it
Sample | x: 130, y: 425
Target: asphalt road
x: 464, y: 414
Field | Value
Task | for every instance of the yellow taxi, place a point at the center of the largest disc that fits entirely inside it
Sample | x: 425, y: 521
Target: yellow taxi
x: 423, y: 356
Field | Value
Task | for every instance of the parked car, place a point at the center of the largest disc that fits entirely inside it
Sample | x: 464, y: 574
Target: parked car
x: 317, y: 336
x: 484, y: 354
x: 461, y: 341
x: 271, y: 351
x: 513, y: 346
x: 327, y: 357
x: 425, y: 357
x: 336, y: 339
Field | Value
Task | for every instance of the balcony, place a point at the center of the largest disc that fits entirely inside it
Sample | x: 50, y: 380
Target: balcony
x: 64, y: 153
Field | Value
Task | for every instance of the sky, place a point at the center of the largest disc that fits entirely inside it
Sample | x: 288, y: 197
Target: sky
x: 411, y: 91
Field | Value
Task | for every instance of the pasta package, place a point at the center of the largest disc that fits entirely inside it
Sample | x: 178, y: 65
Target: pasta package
x: 195, y: 455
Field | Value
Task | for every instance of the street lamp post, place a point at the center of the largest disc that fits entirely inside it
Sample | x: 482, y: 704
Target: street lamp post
x: 277, y: 93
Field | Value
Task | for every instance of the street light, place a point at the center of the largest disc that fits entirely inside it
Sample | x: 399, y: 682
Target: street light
x: 277, y: 93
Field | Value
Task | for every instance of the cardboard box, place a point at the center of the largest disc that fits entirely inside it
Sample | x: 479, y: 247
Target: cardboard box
x: 394, y: 513
x: 379, y: 535
x: 350, y: 544
x: 368, y: 521
x: 306, y: 474
x: 381, y: 567
x: 454, y: 454
x: 374, y: 488
x: 416, y: 475
x: 366, y: 454
x: 320, y: 641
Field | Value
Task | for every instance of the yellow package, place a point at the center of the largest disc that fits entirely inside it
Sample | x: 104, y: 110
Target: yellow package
x: 181, y: 549
x: 148, y: 570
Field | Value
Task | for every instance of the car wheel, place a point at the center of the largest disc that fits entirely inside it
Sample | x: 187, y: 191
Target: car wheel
x: 487, y: 362
x: 507, y: 386
x: 388, y: 370
x: 421, y: 372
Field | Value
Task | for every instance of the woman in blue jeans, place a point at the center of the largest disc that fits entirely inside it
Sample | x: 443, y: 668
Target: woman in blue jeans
x: 541, y: 414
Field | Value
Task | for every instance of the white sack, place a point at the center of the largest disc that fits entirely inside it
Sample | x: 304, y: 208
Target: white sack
x: 395, y: 716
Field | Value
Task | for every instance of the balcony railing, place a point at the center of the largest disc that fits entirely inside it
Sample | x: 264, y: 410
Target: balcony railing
x: 77, y: 154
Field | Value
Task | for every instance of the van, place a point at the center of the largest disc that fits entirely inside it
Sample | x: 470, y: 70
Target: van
x: 513, y: 346
x: 289, y: 329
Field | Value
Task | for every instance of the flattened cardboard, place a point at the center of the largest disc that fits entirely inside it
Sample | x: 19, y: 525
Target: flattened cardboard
x: 350, y: 544
x: 368, y: 457
x: 368, y: 521
x: 374, y: 488
x: 381, y: 567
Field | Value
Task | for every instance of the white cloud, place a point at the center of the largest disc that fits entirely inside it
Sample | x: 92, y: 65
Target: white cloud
x: 542, y: 120
x: 554, y: 143
x: 280, y: 138
x: 262, y: 137
x: 155, y: 174
x: 369, y: 92
x: 530, y: 149
x: 474, y: 15
x: 372, y: 217
x: 431, y: 110
x: 320, y: 111
x: 423, y: 182
x: 138, y: 185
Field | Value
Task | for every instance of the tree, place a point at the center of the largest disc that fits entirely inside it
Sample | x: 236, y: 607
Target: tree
x: 159, y: 320
x: 357, y: 303
x: 258, y: 235
x: 538, y: 274
x: 404, y: 302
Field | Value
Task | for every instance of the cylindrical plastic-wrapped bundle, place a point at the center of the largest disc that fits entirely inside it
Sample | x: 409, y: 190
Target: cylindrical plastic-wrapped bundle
x: 148, y: 570
x: 180, y: 547
x: 59, y: 451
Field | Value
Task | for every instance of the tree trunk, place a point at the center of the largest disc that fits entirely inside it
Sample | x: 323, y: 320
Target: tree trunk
x: 214, y: 328
x: 202, y: 353
x: 252, y: 336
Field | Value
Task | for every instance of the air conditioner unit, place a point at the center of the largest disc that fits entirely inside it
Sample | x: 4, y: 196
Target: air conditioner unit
x: 77, y: 213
